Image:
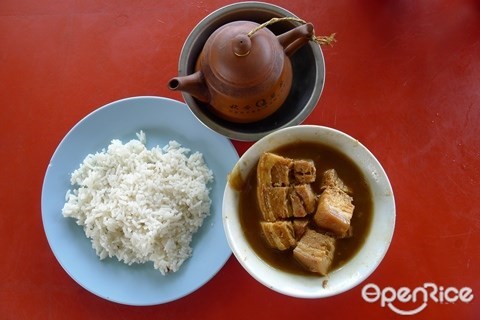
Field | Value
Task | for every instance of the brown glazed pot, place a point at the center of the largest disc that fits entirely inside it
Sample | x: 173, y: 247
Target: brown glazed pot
x: 244, y: 76
x: 307, y: 67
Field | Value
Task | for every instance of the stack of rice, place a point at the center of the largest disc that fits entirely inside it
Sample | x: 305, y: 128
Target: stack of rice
x: 139, y: 204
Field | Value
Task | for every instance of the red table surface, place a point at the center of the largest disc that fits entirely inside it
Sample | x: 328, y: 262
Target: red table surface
x: 403, y: 78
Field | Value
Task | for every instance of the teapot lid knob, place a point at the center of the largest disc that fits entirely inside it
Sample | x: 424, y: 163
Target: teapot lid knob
x: 241, y: 45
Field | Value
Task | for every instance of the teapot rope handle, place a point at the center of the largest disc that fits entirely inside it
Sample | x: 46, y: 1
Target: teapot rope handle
x: 321, y: 40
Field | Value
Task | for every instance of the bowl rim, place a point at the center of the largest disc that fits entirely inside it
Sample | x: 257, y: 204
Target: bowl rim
x: 221, y: 129
x: 355, y: 271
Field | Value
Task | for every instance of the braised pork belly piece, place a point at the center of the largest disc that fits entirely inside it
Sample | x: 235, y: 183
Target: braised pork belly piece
x: 307, y: 197
x: 304, y: 171
x: 334, y: 211
x: 315, y: 251
x: 330, y: 179
x: 274, y: 170
x: 302, y: 200
x: 274, y: 203
x: 298, y: 208
x: 335, y: 207
x: 273, y: 179
x: 279, y: 234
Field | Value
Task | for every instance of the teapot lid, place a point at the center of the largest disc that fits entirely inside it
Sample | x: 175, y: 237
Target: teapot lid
x: 233, y: 58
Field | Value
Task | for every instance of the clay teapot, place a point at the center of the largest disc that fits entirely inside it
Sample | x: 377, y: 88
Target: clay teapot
x: 244, y: 76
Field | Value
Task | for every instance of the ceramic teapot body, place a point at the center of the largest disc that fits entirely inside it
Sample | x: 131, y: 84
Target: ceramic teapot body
x: 242, y: 77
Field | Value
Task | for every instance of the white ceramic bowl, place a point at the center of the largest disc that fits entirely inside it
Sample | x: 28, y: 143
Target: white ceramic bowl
x: 365, y: 261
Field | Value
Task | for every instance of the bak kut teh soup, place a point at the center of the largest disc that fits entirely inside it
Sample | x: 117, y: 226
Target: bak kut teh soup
x: 305, y: 208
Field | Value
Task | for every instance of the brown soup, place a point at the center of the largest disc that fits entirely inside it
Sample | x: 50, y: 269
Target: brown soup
x: 325, y: 158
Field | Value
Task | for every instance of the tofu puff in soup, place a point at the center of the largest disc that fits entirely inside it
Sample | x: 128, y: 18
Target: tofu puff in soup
x: 305, y: 208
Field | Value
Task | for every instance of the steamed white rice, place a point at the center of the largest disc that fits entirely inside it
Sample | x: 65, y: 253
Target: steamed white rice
x: 141, y: 205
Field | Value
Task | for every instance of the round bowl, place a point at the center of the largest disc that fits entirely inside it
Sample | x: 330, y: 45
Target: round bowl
x: 307, y: 63
x: 376, y: 243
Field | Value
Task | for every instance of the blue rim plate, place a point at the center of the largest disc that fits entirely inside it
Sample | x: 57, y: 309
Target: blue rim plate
x: 162, y: 120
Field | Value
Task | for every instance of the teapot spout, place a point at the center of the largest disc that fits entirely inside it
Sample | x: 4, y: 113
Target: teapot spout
x: 193, y: 84
x: 292, y: 40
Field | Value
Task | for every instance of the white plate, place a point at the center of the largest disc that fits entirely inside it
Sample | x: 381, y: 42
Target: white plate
x: 162, y: 120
